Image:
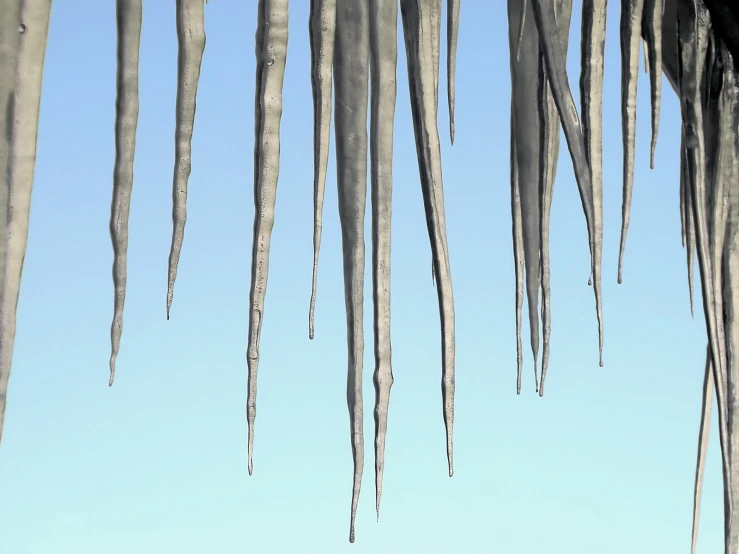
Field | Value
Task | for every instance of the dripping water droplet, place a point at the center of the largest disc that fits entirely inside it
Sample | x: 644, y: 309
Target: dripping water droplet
x: 21, y: 28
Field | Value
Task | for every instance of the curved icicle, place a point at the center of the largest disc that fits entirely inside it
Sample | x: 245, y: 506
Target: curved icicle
x: 191, y: 45
x: 703, y: 436
x: 593, y: 43
x: 23, y: 34
x: 452, y: 32
x: 322, y: 30
x: 652, y: 31
x: 549, y: 153
x: 271, y: 53
x: 418, y: 21
x: 631, y: 19
x: 383, y: 60
x: 351, y: 68
x: 128, y: 18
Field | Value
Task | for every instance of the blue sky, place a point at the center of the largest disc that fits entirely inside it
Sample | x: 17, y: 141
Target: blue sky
x: 603, y: 463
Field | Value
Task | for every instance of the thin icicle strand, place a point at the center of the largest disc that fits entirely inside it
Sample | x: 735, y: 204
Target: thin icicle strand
x: 631, y: 19
x: 516, y: 20
x: 530, y: 116
x: 729, y: 166
x: 548, y: 162
x: 517, y: 230
x: 418, y: 20
x: 593, y: 43
x: 703, y: 436
x: 652, y: 31
x: 549, y: 155
x: 322, y: 30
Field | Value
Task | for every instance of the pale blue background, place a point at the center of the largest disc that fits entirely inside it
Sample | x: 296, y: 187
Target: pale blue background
x: 157, y: 464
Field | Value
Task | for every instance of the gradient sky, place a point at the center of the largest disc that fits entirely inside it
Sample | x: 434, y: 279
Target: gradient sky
x: 157, y: 464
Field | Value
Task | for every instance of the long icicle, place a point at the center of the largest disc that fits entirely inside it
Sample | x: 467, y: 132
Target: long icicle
x: 530, y: 116
x: 351, y: 67
x: 729, y: 167
x: 716, y: 147
x: 191, y: 45
x: 548, y: 168
x: 516, y: 20
x: 593, y: 43
x: 28, y: 58
x: 549, y: 153
x: 417, y: 22
x: 322, y: 31
x: 517, y: 230
x: 631, y: 19
x: 9, y: 44
x: 128, y: 18
x: 383, y: 59
x: 271, y: 54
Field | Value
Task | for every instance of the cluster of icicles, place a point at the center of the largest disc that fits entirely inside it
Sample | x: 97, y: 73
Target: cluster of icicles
x: 355, y: 41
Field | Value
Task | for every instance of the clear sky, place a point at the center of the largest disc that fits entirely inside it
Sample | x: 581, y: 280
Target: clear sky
x: 157, y: 464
